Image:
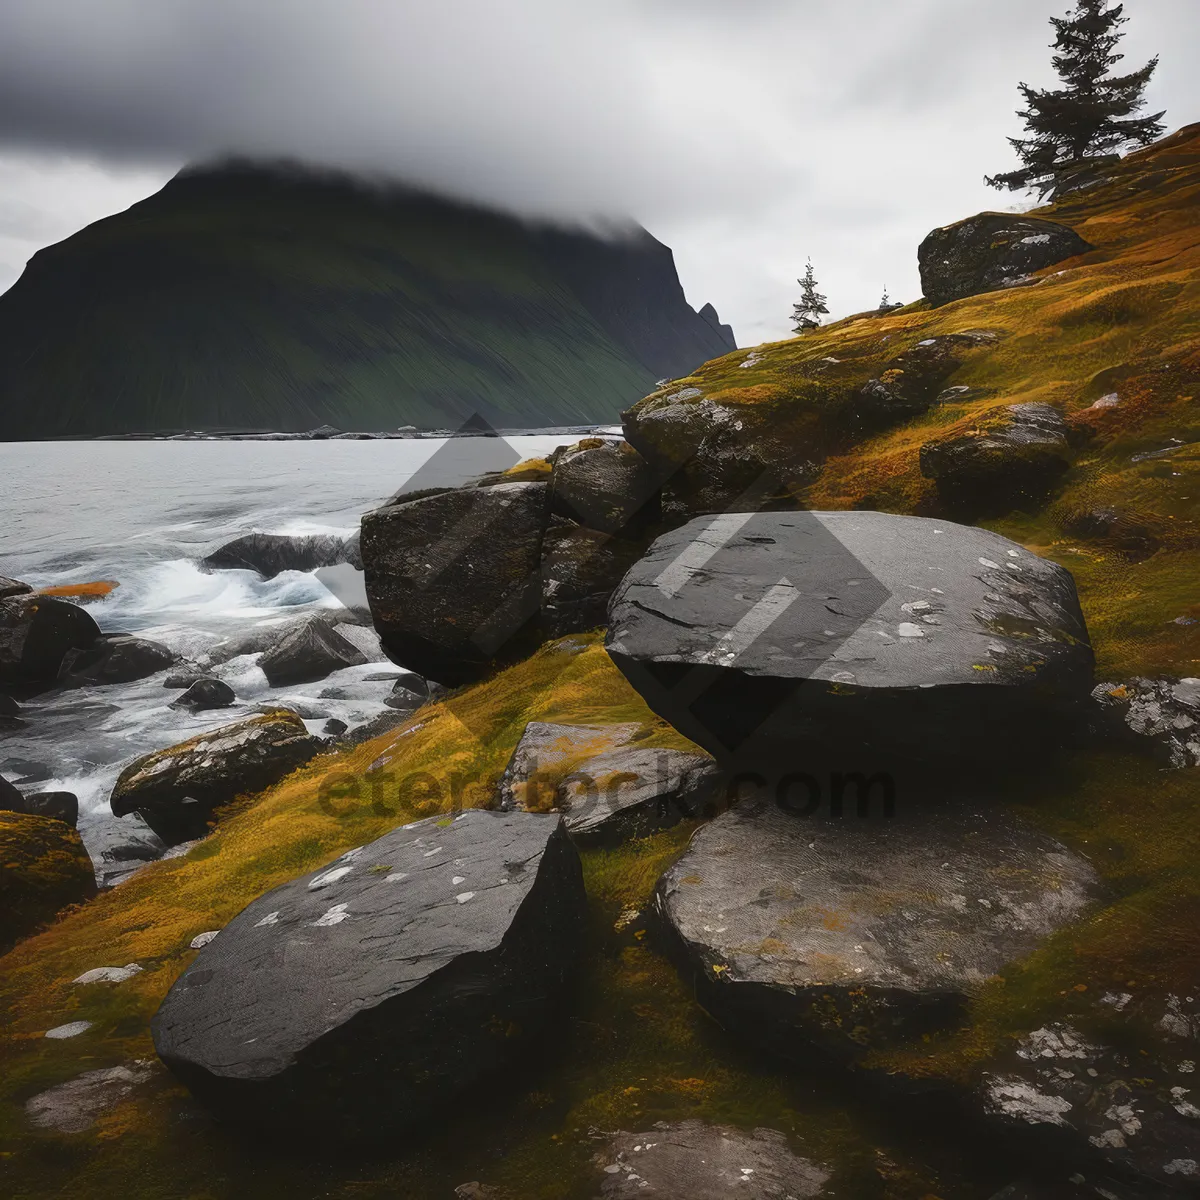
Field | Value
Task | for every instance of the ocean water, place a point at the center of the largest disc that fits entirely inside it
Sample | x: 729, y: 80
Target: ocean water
x: 143, y: 514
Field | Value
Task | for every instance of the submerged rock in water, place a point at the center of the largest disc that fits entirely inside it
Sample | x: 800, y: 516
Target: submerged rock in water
x: 697, y: 1161
x: 309, y: 651
x: 272, y: 553
x: 43, y: 869
x: 57, y: 806
x: 850, y: 934
x: 454, y: 579
x: 1011, y: 458
x: 992, y: 251
x: 205, y: 693
x: 123, y: 660
x: 785, y: 639
x: 176, y: 790
x: 38, y: 635
x: 362, y: 997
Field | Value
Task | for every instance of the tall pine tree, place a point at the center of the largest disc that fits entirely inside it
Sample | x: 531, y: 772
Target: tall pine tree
x: 808, y: 312
x: 1093, y: 114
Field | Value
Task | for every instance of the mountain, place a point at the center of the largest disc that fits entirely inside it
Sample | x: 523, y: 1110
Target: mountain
x: 246, y: 296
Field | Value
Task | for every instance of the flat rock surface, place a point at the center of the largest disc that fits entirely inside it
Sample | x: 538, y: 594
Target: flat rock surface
x: 631, y: 792
x: 546, y: 753
x: 696, y: 1161
x: 794, y: 627
x: 176, y: 790
x: 896, y: 921
x: 73, y: 1107
x: 363, y: 994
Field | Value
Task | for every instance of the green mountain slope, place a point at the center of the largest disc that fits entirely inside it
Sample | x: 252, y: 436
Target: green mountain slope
x: 246, y: 296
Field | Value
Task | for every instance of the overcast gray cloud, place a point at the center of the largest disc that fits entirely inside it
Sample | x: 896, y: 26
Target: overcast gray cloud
x: 747, y: 134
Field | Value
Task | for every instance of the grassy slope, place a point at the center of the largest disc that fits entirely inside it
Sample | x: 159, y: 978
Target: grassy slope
x: 261, y: 305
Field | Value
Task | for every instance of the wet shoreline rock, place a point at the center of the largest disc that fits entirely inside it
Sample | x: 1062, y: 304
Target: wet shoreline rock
x: 122, y: 659
x: 309, y: 651
x: 270, y: 554
x: 853, y: 934
x: 176, y: 790
x: 39, y: 635
x: 205, y: 693
x: 360, y: 998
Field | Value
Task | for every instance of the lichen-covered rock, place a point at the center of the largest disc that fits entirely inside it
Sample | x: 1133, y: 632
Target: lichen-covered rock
x: 73, y: 1107
x: 205, y: 693
x: 1012, y: 458
x: 783, y: 638
x: 697, y: 1161
x: 580, y: 569
x: 308, y: 651
x: 272, y: 553
x: 122, y: 659
x: 43, y: 869
x: 991, y: 251
x: 849, y: 934
x: 1137, y: 1114
x: 364, y: 996
x: 454, y: 579
x: 1164, y: 712
x: 38, y: 635
x: 546, y: 754
x: 630, y: 792
x: 176, y: 790
x: 603, y: 484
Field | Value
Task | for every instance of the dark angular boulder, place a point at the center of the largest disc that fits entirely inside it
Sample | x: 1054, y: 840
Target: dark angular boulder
x: 272, y: 553
x: 454, y: 579
x: 1012, y: 457
x: 43, y: 868
x: 603, y: 484
x: 13, y: 587
x: 334, y: 727
x: 120, y: 659
x: 311, y: 650
x: 55, y: 806
x: 991, y: 251
x: 698, y: 1161
x: 852, y: 934
x: 38, y: 634
x: 176, y: 790
x: 580, y: 569
x: 363, y: 997
x: 855, y: 638
x: 206, y: 693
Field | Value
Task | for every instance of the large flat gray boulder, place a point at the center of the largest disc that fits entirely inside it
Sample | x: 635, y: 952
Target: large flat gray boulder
x: 697, y: 1161
x: 364, y: 996
x: 992, y: 251
x: 862, y: 639
x: 454, y: 579
x: 847, y: 934
x: 176, y: 790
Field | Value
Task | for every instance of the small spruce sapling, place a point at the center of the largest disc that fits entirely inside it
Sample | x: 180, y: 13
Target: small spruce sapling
x: 807, y: 313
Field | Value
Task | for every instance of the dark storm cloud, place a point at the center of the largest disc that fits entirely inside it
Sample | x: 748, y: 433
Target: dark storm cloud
x: 747, y: 133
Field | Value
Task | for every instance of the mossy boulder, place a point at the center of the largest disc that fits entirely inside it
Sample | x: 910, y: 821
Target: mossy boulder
x: 176, y: 791
x: 1011, y: 459
x: 44, y: 868
x: 991, y: 251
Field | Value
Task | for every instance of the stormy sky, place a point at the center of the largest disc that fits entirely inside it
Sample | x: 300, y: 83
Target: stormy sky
x: 747, y: 134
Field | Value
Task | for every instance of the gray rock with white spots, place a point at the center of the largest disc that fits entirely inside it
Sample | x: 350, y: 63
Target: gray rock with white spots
x: 1163, y: 714
x: 357, y: 999
x: 73, y: 1107
x: 1138, y: 1114
x: 706, y: 1162
x: 848, y: 934
x: 786, y: 636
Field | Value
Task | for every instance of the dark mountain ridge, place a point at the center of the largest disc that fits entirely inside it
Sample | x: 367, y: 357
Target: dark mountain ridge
x: 248, y: 296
